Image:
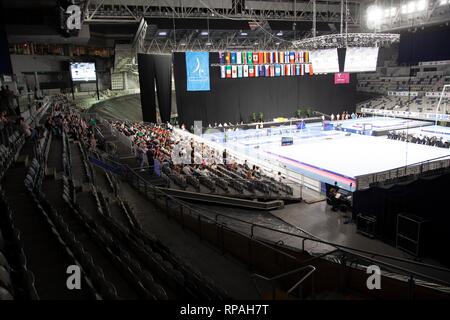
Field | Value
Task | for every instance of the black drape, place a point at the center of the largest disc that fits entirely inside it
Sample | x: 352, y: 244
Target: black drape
x: 234, y: 100
x: 163, y: 73
x: 157, y: 68
x: 425, y: 197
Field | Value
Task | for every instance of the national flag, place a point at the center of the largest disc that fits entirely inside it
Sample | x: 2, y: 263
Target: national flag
x: 256, y: 71
x: 267, y: 70
x: 292, y: 57
x: 287, y: 70
x: 286, y: 57
x: 280, y: 57
x: 234, y: 71
x: 306, y: 56
x: 255, y: 57
x: 272, y: 70
x: 292, y: 69
x: 238, y: 58
x: 261, y: 57
x: 228, y: 71
x: 222, y: 72
x: 297, y: 57
x: 311, y: 70
x: 233, y: 57
x: 282, y: 70
x: 302, y: 60
x: 244, y: 57
x: 268, y: 57
x: 277, y: 70
x: 306, y: 68
x: 262, y: 71
x: 245, y: 70
x: 221, y: 58
x: 302, y: 69
x: 251, y: 71
x: 240, y: 71
x: 249, y: 58
x: 227, y: 58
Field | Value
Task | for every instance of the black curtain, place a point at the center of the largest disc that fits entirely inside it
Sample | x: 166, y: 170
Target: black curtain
x: 163, y: 73
x: 234, y: 100
x: 424, y: 197
x: 155, y: 68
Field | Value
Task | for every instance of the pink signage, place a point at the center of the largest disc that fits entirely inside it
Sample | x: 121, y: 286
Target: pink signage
x: 341, y: 78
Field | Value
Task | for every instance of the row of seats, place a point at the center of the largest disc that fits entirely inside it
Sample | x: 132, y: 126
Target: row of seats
x: 12, y: 143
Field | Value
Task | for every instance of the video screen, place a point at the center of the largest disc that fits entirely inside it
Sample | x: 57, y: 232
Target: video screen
x: 361, y: 59
x: 325, y: 60
x: 342, y: 78
x: 83, y: 71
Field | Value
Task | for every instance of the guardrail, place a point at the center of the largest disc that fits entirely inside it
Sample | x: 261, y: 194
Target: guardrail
x: 408, y: 114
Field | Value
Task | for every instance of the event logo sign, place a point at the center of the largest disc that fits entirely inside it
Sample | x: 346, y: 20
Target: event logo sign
x: 197, y: 71
x: 342, y: 78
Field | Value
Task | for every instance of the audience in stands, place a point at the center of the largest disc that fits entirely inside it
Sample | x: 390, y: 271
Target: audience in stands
x: 419, y: 139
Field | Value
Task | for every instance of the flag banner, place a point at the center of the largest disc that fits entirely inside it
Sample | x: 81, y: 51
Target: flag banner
x: 272, y: 70
x: 249, y: 58
x: 256, y: 71
x: 261, y: 57
x: 287, y: 70
x: 267, y: 70
x: 227, y: 58
x: 244, y: 57
x: 239, y: 58
x: 234, y: 71
x: 297, y: 69
x: 302, y: 57
x: 221, y: 58
x: 262, y: 71
x: 292, y: 57
x: 245, y: 70
x: 282, y: 70
x: 240, y: 71
x: 228, y: 72
x: 255, y: 57
x: 297, y: 57
x: 197, y: 71
x: 233, y: 58
x: 277, y: 70
x: 276, y: 56
x: 310, y: 69
x: 306, y: 57
x: 306, y: 68
x: 222, y: 72
x: 251, y: 71
x: 302, y: 69
x: 281, y: 57
x: 293, y: 70
x: 286, y: 57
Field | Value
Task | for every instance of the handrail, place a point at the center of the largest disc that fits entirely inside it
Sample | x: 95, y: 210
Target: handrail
x: 311, y: 268
x: 361, y: 253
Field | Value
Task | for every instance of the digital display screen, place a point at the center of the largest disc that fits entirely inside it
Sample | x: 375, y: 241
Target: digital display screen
x: 325, y: 60
x: 83, y: 71
x: 361, y: 59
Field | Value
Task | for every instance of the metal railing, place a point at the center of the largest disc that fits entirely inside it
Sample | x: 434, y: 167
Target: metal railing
x: 311, y: 269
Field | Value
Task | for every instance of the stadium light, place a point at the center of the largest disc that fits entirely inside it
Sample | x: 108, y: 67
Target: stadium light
x: 162, y: 33
x: 421, y: 5
x: 204, y: 33
x: 280, y: 33
x: 444, y: 2
x: 244, y: 33
x: 374, y: 16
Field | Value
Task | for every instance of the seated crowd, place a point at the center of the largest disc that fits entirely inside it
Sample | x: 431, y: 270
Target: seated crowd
x: 418, y: 138
x: 187, y: 161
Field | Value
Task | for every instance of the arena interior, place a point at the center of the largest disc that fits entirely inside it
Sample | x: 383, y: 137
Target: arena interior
x: 225, y: 150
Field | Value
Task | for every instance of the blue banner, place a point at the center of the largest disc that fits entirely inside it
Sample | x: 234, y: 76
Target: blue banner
x: 197, y: 71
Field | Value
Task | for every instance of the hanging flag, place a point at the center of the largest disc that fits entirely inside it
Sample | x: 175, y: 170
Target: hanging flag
x: 267, y: 70
x: 292, y: 57
x: 287, y: 70
x: 256, y: 71
x: 286, y: 57
x: 301, y: 57
x: 276, y: 56
x: 293, y: 70
x: 306, y: 57
x: 297, y: 69
x: 244, y: 57
x: 239, y: 71
x: 251, y: 71
x: 234, y: 71
x: 310, y: 70
x: 261, y: 57
x: 282, y: 70
x: 306, y: 68
x: 302, y: 69
x: 228, y: 72
x: 245, y: 70
x: 227, y: 58
x: 249, y: 58
x: 262, y: 70
x: 255, y: 57
x: 222, y: 72
x: 221, y: 58
x: 277, y: 70
x: 233, y: 57
x: 238, y: 58
x: 280, y: 57
x: 272, y: 70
